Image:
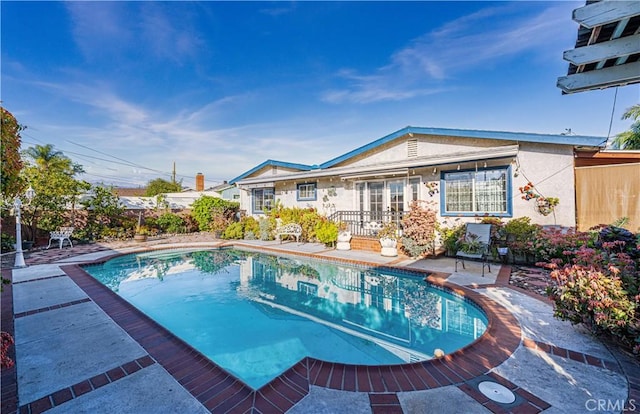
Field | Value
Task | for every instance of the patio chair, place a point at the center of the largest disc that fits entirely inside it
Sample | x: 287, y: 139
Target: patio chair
x: 63, y: 233
x: 477, y: 239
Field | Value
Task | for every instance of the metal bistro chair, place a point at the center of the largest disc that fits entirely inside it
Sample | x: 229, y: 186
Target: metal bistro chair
x: 481, y: 234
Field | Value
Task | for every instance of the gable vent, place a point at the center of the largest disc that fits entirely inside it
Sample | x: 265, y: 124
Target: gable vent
x: 412, y: 147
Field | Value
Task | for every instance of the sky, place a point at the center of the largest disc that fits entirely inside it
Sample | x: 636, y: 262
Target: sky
x: 128, y: 89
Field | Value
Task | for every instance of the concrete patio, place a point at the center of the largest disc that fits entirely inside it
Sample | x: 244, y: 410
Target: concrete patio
x: 80, y: 349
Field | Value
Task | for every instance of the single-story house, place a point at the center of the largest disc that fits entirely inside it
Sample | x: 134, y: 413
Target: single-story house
x: 463, y: 174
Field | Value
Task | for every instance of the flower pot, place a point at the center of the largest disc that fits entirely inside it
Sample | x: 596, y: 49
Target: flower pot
x: 140, y: 238
x: 389, y: 247
x: 344, y: 239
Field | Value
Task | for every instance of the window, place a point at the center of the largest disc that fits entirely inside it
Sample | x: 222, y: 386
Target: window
x: 396, y: 198
x: 262, y: 199
x: 477, y: 192
x: 306, y: 192
x: 414, y: 184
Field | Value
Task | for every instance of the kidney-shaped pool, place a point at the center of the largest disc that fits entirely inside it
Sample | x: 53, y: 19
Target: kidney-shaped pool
x: 256, y: 314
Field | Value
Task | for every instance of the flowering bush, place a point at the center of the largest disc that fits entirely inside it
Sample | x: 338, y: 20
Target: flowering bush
x: 598, y: 284
x: 419, y: 229
x: 7, y: 341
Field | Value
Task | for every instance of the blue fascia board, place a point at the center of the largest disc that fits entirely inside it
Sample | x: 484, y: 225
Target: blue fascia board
x: 559, y: 139
x: 300, y: 167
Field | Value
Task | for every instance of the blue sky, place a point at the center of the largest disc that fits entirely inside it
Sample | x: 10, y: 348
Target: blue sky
x: 128, y: 88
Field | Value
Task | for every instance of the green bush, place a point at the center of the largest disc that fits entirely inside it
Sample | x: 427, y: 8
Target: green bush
x: 7, y: 242
x: 212, y: 213
x: 171, y: 223
x: 234, y: 231
x: 249, y: 224
x: 521, y: 235
x: 450, y: 237
x: 326, y: 232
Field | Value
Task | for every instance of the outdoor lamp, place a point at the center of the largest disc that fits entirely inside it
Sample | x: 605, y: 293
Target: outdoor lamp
x: 17, y: 204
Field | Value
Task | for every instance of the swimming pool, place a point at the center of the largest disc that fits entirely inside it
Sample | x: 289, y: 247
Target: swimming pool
x: 256, y: 314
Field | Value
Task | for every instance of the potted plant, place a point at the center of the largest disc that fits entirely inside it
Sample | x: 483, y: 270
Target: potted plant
x: 388, y: 236
x: 546, y: 205
x: 141, y: 231
x: 471, y: 244
x: 344, y: 237
x: 141, y: 234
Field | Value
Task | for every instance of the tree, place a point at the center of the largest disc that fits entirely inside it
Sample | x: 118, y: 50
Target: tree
x: 630, y: 140
x: 10, y: 183
x: 160, y: 185
x: 103, y: 212
x: 52, y: 176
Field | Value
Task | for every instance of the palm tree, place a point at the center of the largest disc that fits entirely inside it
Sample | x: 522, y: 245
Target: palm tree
x: 46, y: 158
x: 630, y: 140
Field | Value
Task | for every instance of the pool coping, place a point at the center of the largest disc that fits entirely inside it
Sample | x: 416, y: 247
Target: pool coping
x: 219, y: 391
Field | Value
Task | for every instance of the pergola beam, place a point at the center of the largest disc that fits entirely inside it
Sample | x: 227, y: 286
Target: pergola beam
x: 604, y: 12
x: 624, y: 46
x: 600, y: 79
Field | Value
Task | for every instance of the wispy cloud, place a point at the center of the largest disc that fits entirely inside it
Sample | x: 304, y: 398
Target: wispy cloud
x: 106, y: 29
x: 99, y: 28
x: 470, y: 42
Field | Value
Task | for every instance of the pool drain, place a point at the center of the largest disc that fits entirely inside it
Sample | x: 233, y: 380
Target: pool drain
x: 497, y: 392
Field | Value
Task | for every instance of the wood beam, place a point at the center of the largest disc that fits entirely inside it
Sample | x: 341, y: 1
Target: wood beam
x: 617, y: 48
x: 604, y: 12
x: 600, y: 79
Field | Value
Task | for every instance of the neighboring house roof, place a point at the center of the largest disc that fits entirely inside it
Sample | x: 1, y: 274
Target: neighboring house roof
x: 574, y: 140
x: 606, y: 157
x: 607, y: 50
x: 273, y: 163
x: 129, y: 192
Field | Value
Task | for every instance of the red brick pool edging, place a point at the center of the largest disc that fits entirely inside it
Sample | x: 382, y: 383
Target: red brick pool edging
x: 219, y: 391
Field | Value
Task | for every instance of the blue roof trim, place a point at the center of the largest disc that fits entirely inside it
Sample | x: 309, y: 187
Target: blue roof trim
x: 577, y: 140
x: 301, y: 167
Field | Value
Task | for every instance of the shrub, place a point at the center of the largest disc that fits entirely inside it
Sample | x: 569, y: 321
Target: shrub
x: 249, y: 224
x: 450, y: 237
x: 234, y: 231
x: 266, y: 229
x: 521, y: 234
x: 212, y: 213
x: 419, y: 229
x: 590, y: 296
x: 171, y: 223
x: 598, y: 284
x: 7, y: 342
x: 7, y: 242
x: 326, y: 232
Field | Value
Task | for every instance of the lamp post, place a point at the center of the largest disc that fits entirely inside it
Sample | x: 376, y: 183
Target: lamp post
x: 17, y: 205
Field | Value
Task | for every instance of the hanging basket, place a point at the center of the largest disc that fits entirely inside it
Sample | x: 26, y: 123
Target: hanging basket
x: 545, y: 206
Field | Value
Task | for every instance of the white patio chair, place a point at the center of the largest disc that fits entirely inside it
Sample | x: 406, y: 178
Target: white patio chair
x: 64, y: 233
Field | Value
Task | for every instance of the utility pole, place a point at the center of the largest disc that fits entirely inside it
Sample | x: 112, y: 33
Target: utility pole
x: 173, y: 177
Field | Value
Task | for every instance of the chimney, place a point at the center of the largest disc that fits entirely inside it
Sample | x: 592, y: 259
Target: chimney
x: 199, y: 182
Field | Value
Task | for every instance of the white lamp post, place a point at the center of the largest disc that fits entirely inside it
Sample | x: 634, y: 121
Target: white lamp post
x: 17, y: 205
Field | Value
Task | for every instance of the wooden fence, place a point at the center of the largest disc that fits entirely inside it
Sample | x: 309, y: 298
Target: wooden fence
x: 606, y: 193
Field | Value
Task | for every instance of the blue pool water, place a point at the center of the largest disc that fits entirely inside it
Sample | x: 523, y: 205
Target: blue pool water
x: 257, y: 315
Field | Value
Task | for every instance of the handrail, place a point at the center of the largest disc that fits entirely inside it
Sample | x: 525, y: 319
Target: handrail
x: 360, y: 223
